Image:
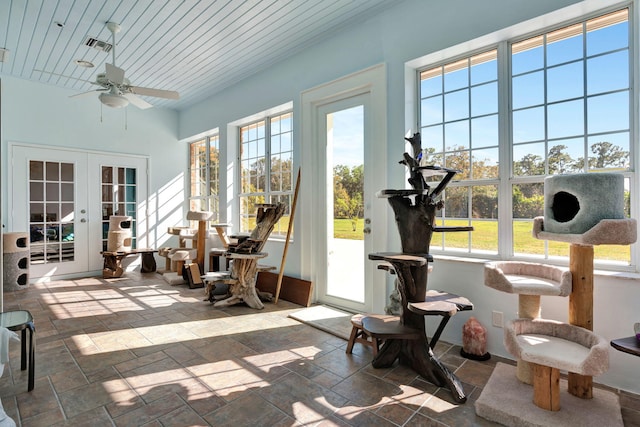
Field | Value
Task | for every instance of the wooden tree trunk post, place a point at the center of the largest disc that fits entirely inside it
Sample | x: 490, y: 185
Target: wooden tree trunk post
x: 581, y: 308
x: 245, y: 268
x: 546, y: 387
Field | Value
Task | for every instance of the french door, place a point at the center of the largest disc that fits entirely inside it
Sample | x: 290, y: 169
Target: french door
x: 64, y: 198
x: 343, y: 123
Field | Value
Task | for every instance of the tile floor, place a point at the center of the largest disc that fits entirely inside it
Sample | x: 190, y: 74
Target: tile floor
x: 137, y: 352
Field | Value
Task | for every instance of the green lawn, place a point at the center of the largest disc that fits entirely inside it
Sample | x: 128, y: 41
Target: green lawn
x: 485, y: 238
x: 343, y: 229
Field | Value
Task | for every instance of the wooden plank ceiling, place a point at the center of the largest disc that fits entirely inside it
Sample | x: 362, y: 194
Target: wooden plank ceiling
x: 193, y: 47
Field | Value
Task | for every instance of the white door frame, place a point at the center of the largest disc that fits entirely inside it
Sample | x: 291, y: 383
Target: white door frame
x: 370, y: 82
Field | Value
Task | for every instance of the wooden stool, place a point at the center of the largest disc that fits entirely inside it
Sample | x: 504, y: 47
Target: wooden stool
x: 359, y: 335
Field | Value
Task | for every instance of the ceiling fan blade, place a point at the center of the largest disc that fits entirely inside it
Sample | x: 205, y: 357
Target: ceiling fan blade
x: 138, y: 102
x: 87, y: 93
x: 158, y: 93
x: 114, y: 74
x: 68, y: 77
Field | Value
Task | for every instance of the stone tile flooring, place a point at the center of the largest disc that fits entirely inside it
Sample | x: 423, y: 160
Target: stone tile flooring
x: 136, y: 351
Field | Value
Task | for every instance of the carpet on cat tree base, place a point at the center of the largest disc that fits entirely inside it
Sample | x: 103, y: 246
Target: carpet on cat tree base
x: 508, y: 401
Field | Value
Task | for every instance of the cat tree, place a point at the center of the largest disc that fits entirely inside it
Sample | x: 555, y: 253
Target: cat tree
x: 583, y: 210
x: 404, y: 335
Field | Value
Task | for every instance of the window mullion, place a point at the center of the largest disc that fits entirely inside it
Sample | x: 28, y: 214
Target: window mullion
x: 267, y: 160
x: 505, y: 208
x: 207, y: 176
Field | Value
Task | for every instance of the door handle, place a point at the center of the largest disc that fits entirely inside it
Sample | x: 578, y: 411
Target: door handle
x: 83, y: 220
x: 367, y: 230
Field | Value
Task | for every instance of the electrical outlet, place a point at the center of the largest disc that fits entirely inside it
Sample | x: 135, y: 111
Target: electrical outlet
x: 496, y: 319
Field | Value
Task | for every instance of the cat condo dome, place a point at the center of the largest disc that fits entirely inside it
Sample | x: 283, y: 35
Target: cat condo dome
x: 585, y: 209
x: 575, y: 203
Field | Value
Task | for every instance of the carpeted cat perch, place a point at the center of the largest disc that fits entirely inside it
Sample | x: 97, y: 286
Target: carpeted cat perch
x: 583, y: 210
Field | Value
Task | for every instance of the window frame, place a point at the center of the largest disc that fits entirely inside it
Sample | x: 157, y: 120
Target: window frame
x: 245, y: 219
x: 502, y: 40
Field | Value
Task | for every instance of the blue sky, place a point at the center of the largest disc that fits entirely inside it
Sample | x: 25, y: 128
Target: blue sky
x: 348, y: 137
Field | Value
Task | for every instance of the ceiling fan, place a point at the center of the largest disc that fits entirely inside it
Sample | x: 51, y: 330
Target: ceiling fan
x: 116, y: 91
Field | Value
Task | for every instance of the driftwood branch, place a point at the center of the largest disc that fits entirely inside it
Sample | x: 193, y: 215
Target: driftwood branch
x: 245, y: 255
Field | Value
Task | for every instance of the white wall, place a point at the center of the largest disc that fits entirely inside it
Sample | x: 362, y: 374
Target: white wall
x: 40, y: 114
x: 412, y: 29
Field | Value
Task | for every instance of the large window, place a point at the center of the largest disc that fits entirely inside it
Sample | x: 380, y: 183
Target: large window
x: 567, y: 109
x: 459, y: 116
x: 266, y: 160
x: 204, y: 173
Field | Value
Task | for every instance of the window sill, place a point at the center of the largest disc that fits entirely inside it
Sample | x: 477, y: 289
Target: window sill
x: 623, y: 275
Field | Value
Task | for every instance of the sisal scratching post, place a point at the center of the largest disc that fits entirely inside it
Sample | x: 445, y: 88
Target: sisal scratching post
x: 528, y: 308
x: 202, y: 217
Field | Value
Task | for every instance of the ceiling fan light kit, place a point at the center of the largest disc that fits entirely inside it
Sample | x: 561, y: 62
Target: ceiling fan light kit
x: 113, y: 100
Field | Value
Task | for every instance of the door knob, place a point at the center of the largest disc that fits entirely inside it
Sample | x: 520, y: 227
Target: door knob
x: 83, y: 220
x: 367, y: 230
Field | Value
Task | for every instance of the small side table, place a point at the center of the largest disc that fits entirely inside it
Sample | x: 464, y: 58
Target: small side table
x: 21, y: 320
x: 629, y: 345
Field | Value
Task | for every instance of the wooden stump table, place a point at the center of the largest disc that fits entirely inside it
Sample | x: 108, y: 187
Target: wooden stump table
x: 112, y: 267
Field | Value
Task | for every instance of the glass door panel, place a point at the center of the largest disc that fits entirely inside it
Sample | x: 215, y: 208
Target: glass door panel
x: 51, y: 212
x: 118, y: 198
x: 345, y: 187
